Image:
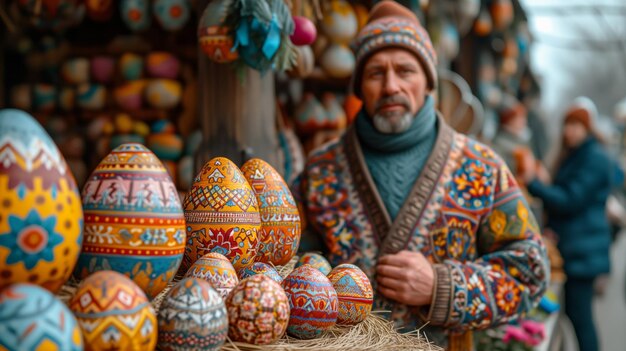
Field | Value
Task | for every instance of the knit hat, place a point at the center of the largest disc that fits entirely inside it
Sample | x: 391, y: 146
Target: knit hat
x: 583, y: 111
x: 510, y: 109
x: 392, y: 25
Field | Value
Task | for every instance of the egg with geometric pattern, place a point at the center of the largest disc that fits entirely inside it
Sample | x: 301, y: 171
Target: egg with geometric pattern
x: 222, y: 215
x: 217, y: 270
x: 260, y: 268
x: 279, y: 237
x: 114, y: 313
x: 354, y: 292
x: 134, y: 222
x: 192, y: 316
x: 258, y: 311
x: 41, y: 218
x: 31, y: 318
x: 316, y: 261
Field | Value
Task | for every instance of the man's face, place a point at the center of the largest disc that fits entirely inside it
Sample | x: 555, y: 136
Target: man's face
x: 394, y: 88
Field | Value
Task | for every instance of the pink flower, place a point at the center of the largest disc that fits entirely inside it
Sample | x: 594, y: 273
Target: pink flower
x: 534, y: 328
x: 512, y: 333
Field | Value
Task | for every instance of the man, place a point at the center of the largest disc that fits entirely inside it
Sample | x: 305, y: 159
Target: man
x: 435, y: 219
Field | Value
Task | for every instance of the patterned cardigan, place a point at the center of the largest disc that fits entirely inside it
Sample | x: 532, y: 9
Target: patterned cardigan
x: 465, y: 213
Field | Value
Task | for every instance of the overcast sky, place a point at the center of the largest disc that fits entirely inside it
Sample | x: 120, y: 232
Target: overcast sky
x: 579, y: 49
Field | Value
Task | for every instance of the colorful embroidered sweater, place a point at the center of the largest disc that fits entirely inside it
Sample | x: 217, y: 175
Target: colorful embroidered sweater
x: 465, y: 213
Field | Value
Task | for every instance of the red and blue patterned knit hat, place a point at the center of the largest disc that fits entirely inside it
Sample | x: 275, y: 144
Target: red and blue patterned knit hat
x: 393, y: 25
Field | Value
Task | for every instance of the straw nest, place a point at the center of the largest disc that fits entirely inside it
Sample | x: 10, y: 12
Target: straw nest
x: 374, y: 333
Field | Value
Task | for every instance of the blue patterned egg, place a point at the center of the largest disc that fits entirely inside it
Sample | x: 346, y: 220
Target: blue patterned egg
x: 31, y: 318
x: 91, y: 96
x: 354, y: 292
x: 40, y: 213
x: 135, y: 14
x: 316, y: 261
x: 260, y: 268
x: 192, y: 317
x: 172, y: 14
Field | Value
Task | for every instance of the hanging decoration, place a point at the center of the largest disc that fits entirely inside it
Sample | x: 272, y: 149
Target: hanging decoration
x: 172, y: 14
x: 305, y: 31
x: 213, y: 35
x: 135, y: 14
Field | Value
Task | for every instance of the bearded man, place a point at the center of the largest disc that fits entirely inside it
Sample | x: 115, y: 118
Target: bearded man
x: 434, y: 218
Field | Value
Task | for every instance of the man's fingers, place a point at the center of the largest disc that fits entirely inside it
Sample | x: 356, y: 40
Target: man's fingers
x: 391, y: 271
x: 390, y: 283
x: 388, y: 293
x: 393, y: 260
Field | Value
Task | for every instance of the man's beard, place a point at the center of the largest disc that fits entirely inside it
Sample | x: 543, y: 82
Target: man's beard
x: 393, y: 122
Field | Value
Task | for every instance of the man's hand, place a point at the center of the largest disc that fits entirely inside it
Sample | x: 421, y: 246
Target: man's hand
x: 406, y: 277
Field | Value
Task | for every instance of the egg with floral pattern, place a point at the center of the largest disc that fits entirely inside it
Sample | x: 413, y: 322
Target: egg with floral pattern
x: 258, y: 311
x: 222, y: 215
x: 279, y: 237
x: 316, y: 261
x: 216, y: 269
x: 354, y: 292
x: 41, y: 219
x: 114, y: 313
x: 313, y: 302
x: 260, y: 268
x: 134, y: 221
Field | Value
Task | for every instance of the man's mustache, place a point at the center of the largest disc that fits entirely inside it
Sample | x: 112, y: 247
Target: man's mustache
x: 393, y: 100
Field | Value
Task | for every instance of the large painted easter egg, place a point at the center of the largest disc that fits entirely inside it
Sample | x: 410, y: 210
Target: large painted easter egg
x: 354, y: 292
x: 279, y: 237
x: 192, y: 317
x: 213, y: 36
x: 134, y: 222
x: 222, y: 215
x: 172, y: 14
x: 340, y: 22
x: 260, y: 268
x: 258, y: 311
x: 162, y: 65
x: 313, y: 302
x: 216, y: 269
x: 31, y: 318
x: 135, y: 14
x: 41, y: 219
x: 164, y: 93
x: 316, y: 261
x: 114, y: 313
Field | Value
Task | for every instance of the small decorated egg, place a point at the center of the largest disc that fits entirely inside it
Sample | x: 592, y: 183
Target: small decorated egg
x: 164, y: 93
x: 335, y: 114
x: 279, y: 237
x: 305, y: 31
x: 216, y: 269
x: 213, y: 36
x: 222, y: 215
x: 134, y: 222
x: 123, y: 123
x: 131, y: 66
x: 67, y: 98
x: 313, y: 302
x: 44, y: 96
x: 316, y: 261
x: 310, y: 115
x: 164, y: 126
x: 91, y: 96
x: 99, y: 10
x: 135, y: 14
x: 185, y: 172
x: 129, y: 95
x: 162, y: 65
x: 166, y: 146
x: 192, y: 316
x: 102, y: 68
x: 21, y: 97
x: 118, y: 140
x: 340, y: 22
x: 76, y: 71
x: 338, y: 61
x: 114, y: 313
x: 172, y: 14
x: 31, y: 318
x: 354, y: 292
x: 258, y: 311
x: 260, y: 268
x: 141, y: 128
x: 41, y: 217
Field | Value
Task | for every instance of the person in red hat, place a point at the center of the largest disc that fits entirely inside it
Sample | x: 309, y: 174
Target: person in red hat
x: 513, y: 133
x: 575, y: 202
x: 434, y: 218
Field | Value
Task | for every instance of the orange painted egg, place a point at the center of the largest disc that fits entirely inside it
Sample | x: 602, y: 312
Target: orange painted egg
x: 213, y: 37
x: 164, y: 93
x: 258, y: 311
x: 340, y: 22
x: 216, y: 269
x: 40, y: 213
x: 354, y: 292
x: 114, y: 313
x: 162, y: 65
x: 222, y: 215
x: 279, y: 237
x: 134, y: 221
